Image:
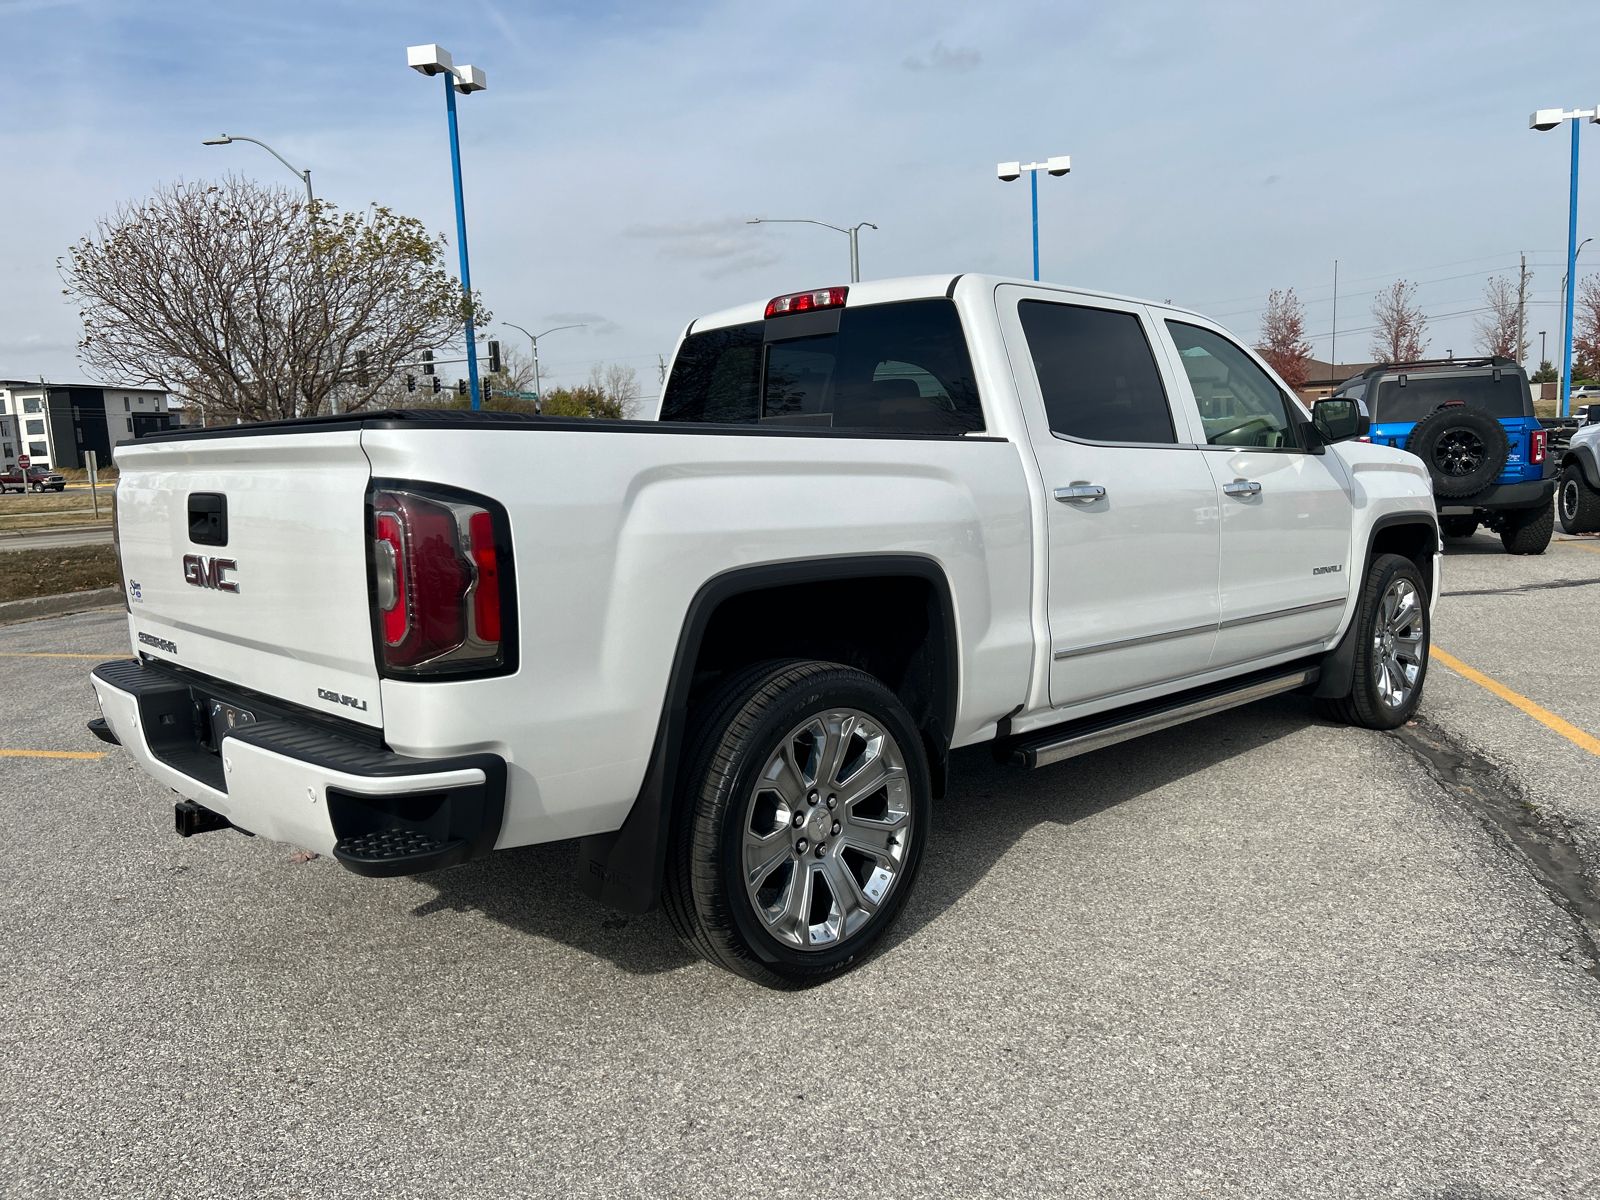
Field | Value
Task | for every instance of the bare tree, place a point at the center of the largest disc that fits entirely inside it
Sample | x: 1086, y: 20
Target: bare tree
x: 1283, y: 338
x: 1586, y: 329
x: 252, y: 304
x: 612, y: 391
x: 1401, y: 324
x: 1498, y: 328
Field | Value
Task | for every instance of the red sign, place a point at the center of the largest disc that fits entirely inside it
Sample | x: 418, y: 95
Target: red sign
x: 24, y: 463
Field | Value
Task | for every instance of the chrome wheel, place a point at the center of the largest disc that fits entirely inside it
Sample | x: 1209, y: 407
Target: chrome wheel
x: 826, y: 829
x: 1397, y: 648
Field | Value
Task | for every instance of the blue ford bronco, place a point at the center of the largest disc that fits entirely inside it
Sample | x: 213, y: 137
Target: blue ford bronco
x: 1471, y: 422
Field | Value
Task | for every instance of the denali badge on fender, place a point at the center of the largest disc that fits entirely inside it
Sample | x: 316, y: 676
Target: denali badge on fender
x: 208, y: 572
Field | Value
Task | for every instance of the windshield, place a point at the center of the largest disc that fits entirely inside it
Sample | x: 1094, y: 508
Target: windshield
x: 1423, y: 394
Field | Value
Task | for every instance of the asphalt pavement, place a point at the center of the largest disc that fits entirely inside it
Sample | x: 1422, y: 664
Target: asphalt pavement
x: 1258, y: 955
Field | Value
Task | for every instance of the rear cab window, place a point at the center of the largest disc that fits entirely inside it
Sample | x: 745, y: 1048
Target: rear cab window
x: 894, y: 368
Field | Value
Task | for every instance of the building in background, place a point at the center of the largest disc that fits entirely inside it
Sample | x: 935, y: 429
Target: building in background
x: 55, y: 424
x: 1323, y: 377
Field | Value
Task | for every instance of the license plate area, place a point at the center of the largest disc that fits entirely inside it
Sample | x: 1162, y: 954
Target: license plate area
x: 224, y: 718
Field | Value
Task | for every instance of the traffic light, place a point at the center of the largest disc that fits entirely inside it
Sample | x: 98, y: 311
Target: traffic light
x: 363, y: 376
x: 411, y: 383
x: 461, y: 387
x: 427, y: 366
x: 494, y: 357
x: 435, y: 385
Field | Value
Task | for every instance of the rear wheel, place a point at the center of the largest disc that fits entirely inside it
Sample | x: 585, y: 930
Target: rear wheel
x: 806, y: 810
x: 1528, y: 530
x: 1579, y: 503
x: 1391, y: 659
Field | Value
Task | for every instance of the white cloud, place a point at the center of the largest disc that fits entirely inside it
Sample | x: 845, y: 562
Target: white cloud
x: 958, y: 61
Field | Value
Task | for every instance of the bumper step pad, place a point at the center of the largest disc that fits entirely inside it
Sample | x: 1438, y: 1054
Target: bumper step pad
x: 399, y: 852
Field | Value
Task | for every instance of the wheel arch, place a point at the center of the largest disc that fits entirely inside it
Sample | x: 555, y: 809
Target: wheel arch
x: 624, y: 869
x: 1584, y: 456
x: 1412, y: 535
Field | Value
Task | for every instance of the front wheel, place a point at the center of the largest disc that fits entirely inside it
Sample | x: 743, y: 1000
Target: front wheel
x: 806, y: 804
x: 1528, y: 530
x: 38, y: 487
x: 1579, y: 503
x: 1391, y: 659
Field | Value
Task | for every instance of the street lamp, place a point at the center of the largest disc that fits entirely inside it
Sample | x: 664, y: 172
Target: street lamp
x: 852, y: 233
x: 538, y: 392
x: 1541, y: 348
x: 1546, y: 119
x: 1012, y: 171
x: 226, y: 139
x: 435, y: 60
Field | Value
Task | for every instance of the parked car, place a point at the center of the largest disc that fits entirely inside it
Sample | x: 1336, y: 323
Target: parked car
x: 1471, y: 423
x: 39, y: 479
x: 731, y: 648
x: 1578, y: 492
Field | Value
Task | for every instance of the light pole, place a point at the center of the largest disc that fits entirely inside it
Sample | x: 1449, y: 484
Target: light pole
x: 1012, y: 171
x: 311, y: 210
x: 1546, y: 119
x: 1541, y: 348
x: 852, y: 233
x: 435, y: 60
x: 538, y: 392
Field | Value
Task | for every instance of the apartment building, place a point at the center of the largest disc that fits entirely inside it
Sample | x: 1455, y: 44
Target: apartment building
x: 54, y: 424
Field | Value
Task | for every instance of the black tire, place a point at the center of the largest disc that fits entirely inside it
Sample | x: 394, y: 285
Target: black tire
x: 1528, y: 530
x: 38, y: 487
x: 1458, y: 527
x: 1464, y: 449
x: 1578, y: 502
x: 1369, y: 703
x: 737, y: 732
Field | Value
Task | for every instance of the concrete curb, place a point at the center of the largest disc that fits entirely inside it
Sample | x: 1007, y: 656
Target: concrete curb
x: 54, y: 606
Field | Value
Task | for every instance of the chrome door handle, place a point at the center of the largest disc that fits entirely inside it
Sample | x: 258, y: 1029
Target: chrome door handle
x: 1242, y: 487
x: 1081, y: 493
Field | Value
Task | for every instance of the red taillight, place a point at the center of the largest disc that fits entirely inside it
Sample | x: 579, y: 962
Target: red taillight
x: 437, y: 571
x: 799, y: 302
x: 1537, y: 441
x: 486, y: 599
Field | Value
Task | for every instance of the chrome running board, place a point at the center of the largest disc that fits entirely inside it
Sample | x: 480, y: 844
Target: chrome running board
x: 1065, y: 741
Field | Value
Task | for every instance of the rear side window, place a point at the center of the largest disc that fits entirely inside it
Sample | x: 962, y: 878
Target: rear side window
x: 1423, y: 394
x: 1097, y: 373
x: 1239, y: 404
x: 893, y: 367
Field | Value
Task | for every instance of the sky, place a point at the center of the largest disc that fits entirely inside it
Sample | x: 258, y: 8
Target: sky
x: 1219, y: 150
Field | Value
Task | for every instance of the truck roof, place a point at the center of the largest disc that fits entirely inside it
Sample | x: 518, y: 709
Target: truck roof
x: 916, y: 287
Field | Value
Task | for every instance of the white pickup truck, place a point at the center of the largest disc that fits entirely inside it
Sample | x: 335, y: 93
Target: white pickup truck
x: 731, y: 648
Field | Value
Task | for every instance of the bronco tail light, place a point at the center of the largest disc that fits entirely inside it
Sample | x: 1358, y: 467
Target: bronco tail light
x: 799, y: 302
x: 1537, y: 441
x: 440, y: 569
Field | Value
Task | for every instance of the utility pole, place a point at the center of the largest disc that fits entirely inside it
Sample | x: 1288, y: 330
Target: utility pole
x: 1522, y: 311
x: 1333, y: 352
x: 661, y: 365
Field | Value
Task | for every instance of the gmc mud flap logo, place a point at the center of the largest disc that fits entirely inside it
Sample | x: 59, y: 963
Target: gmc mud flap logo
x: 338, y: 698
x: 1333, y: 570
x: 209, y: 572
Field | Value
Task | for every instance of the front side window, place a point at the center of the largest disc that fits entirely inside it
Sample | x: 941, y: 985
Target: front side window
x: 1239, y: 404
x: 893, y: 367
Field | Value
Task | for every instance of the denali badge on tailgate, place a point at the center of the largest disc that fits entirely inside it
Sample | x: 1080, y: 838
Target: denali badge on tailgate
x: 208, y: 572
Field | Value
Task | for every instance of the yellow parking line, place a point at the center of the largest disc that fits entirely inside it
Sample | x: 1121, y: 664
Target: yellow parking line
x: 1543, y: 715
x: 1580, y: 546
x: 101, y: 657
x: 51, y: 754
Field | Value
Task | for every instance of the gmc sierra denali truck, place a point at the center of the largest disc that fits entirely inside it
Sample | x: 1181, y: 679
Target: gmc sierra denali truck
x: 729, y: 649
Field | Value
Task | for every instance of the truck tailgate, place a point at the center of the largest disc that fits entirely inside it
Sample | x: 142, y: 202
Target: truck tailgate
x: 282, y: 607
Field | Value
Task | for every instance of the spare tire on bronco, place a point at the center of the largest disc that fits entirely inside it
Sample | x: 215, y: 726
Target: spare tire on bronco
x: 1464, y: 449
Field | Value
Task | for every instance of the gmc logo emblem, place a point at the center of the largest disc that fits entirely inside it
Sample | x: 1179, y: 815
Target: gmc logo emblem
x: 209, y: 572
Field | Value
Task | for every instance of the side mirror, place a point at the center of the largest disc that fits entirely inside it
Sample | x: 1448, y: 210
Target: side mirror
x: 1593, y: 415
x: 1339, y: 418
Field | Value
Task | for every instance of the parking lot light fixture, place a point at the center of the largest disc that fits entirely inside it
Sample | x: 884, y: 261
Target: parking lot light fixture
x: 853, y: 233
x: 1010, y: 172
x: 436, y: 60
x: 227, y: 139
x: 1544, y: 120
